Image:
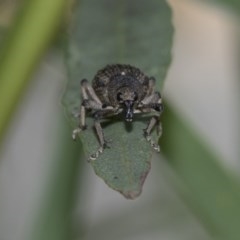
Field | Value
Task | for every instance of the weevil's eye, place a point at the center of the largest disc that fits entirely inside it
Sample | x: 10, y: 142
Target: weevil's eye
x: 135, y: 98
x: 119, y: 96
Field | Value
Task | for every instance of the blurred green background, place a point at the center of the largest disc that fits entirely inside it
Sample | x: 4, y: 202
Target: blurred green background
x: 49, y: 192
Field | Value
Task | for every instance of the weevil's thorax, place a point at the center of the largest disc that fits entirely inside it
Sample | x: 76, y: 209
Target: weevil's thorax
x: 120, y: 78
x: 126, y: 86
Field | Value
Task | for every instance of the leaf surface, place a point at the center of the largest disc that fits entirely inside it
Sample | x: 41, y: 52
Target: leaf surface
x: 105, y: 32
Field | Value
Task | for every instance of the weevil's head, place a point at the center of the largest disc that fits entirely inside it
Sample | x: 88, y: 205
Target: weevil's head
x: 128, y: 99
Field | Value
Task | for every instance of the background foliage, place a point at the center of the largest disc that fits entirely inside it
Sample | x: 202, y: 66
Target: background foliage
x: 210, y: 191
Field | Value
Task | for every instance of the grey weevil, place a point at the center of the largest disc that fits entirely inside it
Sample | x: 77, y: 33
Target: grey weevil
x: 116, y: 89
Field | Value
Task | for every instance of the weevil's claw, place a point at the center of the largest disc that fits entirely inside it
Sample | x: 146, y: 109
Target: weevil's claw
x: 75, y: 133
x: 100, y: 150
x: 94, y: 156
x: 154, y: 145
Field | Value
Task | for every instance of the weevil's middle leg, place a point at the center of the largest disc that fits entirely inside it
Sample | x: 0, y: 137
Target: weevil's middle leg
x: 82, y: 123
x: 99, y: 131
x: 103, y: 143
x: 89, y: 101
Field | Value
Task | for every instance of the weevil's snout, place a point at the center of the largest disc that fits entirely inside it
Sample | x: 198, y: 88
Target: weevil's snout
x: 128, y: 110
x: 127, y: 98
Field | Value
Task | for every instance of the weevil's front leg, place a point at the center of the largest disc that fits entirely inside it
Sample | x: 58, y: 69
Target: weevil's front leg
x: 88, y: 92
x: 153, y: 103
x: 154, y: 121
x: 89, y: 101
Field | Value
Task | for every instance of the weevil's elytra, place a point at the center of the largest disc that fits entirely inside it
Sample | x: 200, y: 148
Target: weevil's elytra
x: 119, y: 89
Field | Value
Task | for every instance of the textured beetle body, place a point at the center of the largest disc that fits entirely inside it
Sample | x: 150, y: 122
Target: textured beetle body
x: 115, y: 89
x: 114, y: 78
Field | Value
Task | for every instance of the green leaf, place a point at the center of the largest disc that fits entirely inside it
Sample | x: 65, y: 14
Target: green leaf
x: 105, y: 32
x: 54, y: 220
x: 233, y: 4
x: 2, y: 30
x: 26, y: 42
x: 212, y: 191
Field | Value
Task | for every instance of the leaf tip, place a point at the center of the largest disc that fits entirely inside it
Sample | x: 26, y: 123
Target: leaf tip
x: 132, y: 194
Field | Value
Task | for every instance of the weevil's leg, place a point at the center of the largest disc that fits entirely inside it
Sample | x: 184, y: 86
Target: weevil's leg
x: 87, y: 88
x: 153, y: 103
x: 99, y: 131
x: 152, y: 99
x: 75, y: 133
x: 147, y: 133
x: 89, y: 101
x: 151, y: 86
x: 82, y: 122
x: 103, y: 143
x: 81, y: 125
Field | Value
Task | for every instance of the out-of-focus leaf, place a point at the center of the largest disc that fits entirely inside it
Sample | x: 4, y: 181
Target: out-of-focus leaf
x: 233, y: 4
x: 7, y: 11
x: 104, y: 32
x: 26, y: 43
x: 54, y: 219
x: 1, y: 34
x: 213, y: 193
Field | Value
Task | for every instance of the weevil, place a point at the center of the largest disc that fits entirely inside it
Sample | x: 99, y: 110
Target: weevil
x: 119, y: 89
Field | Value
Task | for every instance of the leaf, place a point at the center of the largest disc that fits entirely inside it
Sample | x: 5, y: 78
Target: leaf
x: 233, y: 4
x: 212, y: 191
x: 31, y: 34
x: 105, y: 32
x: 2, y: 31
x: 53, y: 219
